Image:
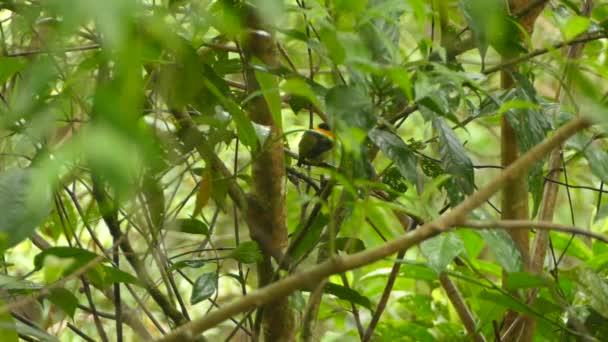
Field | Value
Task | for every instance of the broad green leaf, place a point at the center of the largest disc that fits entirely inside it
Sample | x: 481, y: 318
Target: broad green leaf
x: 393, y: 178
x: 419, y: 305
x: 301, y: 88
x: 595, y: 287
x: 8, y: 329
x: 311, y: 236
x: 270, y: 90
x: 404, y: 331
x: 472, y: 242
x: 418, y: 272
x: 492, y: 26
x: 598, y: 161
x: 78, y: 256
x: 113, y: 275
x: 191, y: 226
x: 598, y: 262
x: 454, y: 158
x: 349, y: 6
x: 397, y: 151
x: 24, y: 203
x: 204, y: 287
x: 441, y: 250
x: 523, y: 280
x: 350, y: 106
x: 504, y: 250
x: 9, y: 67
x: 334, y: 47
x: 571, y: 246
x: 348, y: 294
x: 504, y: 300
x: 531, y: 127
x: 575, y: 26
x: 247, y: 252
x: 64, y: 299
x: 402, y: 79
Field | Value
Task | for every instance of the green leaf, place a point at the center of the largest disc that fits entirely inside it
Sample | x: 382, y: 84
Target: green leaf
x: 420, y: 272
x: 191, y: 226
x: 441, y: 250
x: 504, y: 300
x: 300, y: 88
x: 334, y: 47
x: 78, y: 256
x: 25, y: 203
x: 402, y: 78
x: 247, y: 252
x: 311, y: 236
x: 454, y: 158
x: 244, y: 126
x: 10, y: 66
x: 348, y: 294
x: 491, y: 25
x: 8, y: 329
x: 595, y: 288
x: 572, y: 246
x: 503, y: 248
x: 344, y: 244
x: 350, y: 106
x: 194, y: 263
x: 575, y: 26
x: 270, y: 90
x: 204, y: 287
x: 35, y: 332
x: 393, y: 178
x: 397, y: 151
x: 16, y: 285
x: 473, y: 243
x: 523, y: 280
x: 64, y: 299
x: 113, y: 275
x: 531, y: 127
x: 598, y: 161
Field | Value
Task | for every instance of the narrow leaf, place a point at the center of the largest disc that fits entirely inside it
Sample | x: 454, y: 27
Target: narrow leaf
x: 191, y: 226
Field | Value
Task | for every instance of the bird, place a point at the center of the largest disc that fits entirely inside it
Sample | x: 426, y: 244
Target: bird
x: 315, y: 145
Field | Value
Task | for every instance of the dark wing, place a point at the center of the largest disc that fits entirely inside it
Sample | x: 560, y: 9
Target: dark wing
x: 312, y: 145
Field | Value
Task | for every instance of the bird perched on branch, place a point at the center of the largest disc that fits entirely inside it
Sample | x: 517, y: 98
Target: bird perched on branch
x: 315, y: 145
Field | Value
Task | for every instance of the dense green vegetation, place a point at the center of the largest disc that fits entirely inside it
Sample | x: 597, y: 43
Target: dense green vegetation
x: 149, y: 186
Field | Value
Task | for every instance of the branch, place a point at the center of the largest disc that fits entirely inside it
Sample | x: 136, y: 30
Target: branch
x: 344, y: 263
x: 466, y: 316
x: 541, y: 225
x: 538, y: 52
